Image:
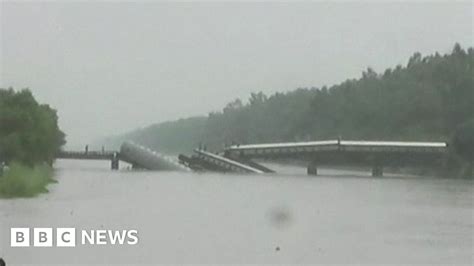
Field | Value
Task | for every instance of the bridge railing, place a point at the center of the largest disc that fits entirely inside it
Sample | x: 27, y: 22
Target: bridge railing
x: 86, y: 155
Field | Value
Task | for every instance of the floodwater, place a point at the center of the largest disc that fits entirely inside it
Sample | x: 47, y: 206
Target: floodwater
x: 348, y: 218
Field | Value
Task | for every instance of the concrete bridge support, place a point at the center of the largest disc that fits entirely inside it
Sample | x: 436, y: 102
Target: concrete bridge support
x: 312, y: 169
x: 377, y: 170
x: 114, y: 163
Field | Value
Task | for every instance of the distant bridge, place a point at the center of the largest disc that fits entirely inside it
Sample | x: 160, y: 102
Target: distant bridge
x: 112, y: 156
x: 376, y: 154
x: 136, y: 155
x: 238, y: 158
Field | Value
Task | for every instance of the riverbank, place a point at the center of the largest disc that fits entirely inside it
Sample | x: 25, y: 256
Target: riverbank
x: 23, y: 181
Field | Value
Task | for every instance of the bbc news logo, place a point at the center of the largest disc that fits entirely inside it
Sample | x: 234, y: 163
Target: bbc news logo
x: 66, y: 237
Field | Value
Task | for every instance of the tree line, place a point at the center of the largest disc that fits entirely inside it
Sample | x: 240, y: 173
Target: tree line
x: 427, y: 100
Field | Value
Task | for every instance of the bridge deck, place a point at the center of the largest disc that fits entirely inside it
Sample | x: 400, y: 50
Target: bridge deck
x: 391, y: 146
x: 341, y: 152
x: 225, y: 162
x: 90, y: 155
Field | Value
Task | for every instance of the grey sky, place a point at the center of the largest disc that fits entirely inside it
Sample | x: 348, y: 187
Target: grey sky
x: 111, y: 67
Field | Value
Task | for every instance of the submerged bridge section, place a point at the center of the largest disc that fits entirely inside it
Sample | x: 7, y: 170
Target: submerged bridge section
x: 143, y: 157
x: 132, y: 153
x: 224, y: 164
x: 376, y: 154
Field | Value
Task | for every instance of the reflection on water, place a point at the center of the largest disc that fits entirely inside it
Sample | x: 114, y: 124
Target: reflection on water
x: 216, y: 218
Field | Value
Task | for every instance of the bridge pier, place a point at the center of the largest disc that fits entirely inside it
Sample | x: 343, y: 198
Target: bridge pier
x: 114, y: 163
x: 377, y: 170
x: 312, y: 169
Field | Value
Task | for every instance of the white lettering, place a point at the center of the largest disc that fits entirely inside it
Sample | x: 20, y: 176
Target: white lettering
x: 132, y: 237
x: 117, y: 236
x: 101, y: 236
x: 89, y: 237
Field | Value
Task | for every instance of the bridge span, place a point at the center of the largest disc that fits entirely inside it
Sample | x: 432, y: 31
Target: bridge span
x: 238, y: 158
x: 112, y: 156
x: 376, y: 154
x: 137, y: 155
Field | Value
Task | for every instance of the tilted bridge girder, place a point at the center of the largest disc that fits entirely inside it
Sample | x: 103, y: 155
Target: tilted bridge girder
x: 224, y: 163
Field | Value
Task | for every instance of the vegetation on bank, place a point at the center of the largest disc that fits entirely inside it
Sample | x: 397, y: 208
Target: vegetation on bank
x: 21, y: 180
x: 29, y: 139
x: 428, y: 99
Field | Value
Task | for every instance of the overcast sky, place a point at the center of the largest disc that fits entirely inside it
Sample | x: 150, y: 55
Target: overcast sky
x: 112, y: 67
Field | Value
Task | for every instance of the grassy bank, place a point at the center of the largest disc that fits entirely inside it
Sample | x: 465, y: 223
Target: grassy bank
x: 23, y: 181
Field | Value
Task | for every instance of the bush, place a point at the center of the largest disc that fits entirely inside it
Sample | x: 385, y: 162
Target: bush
x: 23, y: 181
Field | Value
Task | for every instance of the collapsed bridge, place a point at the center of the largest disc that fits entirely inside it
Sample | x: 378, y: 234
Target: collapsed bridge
x: 138, y: 156
x: 240, y: 158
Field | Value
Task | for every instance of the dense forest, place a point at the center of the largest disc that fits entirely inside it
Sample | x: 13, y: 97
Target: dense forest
x: 428, y: 99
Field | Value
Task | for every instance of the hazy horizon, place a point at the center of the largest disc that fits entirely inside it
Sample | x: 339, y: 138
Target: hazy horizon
x: 129, y: 65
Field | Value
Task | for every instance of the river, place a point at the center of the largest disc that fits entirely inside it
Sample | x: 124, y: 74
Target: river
x: 337, y: 217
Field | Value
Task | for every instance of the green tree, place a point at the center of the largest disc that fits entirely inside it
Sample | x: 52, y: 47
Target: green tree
x: 29, y: 132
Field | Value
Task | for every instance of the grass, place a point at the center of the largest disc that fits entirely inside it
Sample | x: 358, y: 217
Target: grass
x: 23, y: 181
